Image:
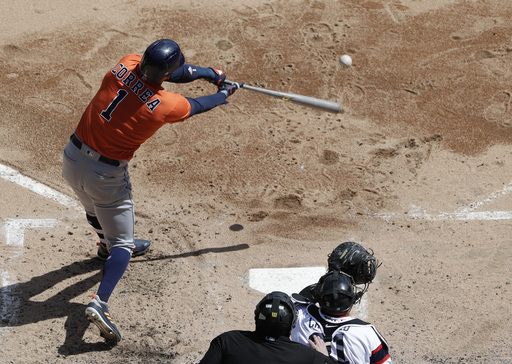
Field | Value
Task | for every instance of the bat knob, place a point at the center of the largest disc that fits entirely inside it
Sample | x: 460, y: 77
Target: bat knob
x: 232, y: 83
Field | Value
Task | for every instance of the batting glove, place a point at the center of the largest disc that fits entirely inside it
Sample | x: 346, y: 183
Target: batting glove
x: 229, y: 90
x: 218, y: 78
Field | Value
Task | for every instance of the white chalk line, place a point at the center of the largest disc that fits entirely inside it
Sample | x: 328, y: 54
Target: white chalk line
x: 14, y: 233
x: 14, y: 230
x: 492, y: 196
x: 14, y: 176
x: 10, y: 301
x: 465, y: 213
x: 461, y: 216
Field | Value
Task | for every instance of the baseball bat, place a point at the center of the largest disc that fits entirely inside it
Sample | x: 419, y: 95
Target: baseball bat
x: 330, y: 106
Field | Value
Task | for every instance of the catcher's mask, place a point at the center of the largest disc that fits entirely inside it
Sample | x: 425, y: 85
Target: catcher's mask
x: 161, y: 59
x: 336, y: 293
x: 275, y: 315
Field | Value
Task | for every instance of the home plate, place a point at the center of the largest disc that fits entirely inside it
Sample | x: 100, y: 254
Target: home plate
x: 287, y: 280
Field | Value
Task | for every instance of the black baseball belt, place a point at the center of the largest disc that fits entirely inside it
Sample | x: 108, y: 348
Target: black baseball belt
x: 78, y: 143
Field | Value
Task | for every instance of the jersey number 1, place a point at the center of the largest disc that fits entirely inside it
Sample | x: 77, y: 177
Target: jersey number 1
x: 107, y: 114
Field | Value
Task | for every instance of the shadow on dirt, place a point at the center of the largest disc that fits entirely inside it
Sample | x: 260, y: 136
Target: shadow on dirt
x: 197, y: 253
x: 21, y: 306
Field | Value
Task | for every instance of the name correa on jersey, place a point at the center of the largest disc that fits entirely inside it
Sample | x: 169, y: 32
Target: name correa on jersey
x: 135, y: 85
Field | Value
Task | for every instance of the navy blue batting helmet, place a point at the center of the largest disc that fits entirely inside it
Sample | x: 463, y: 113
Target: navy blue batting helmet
x: 161, y: 59
x: 275, y: 315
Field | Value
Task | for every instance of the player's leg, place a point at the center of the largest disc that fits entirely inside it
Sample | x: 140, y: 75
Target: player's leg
x: 77, y: 170
x: 102, y: 244
x: 118, y: 223
x: 110, y: 189
x: 73, y: 170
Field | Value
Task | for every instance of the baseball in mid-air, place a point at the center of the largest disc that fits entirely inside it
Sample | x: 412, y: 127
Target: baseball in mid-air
x: 346, y: 60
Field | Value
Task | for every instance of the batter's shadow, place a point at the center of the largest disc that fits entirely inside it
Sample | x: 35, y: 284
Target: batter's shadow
x: 196, y: 253
x: 25, y: 310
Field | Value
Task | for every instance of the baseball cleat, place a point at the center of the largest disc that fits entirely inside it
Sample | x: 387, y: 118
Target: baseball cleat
x: 102, y: 251
x: 141, y: 246
x: 97, y: 313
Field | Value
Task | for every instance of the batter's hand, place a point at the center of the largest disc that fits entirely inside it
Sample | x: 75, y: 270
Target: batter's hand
x: 219, y: 77
x: 229, y: 90
x: 318, y: 344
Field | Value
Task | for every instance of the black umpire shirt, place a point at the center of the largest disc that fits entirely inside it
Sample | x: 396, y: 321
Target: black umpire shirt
x: 250, y: 347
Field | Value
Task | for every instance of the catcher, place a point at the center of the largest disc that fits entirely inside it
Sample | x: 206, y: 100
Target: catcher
x: 330, y: 329
x: 350, y: 258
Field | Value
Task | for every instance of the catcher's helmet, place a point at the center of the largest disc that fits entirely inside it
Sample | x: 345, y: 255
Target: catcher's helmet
x: 275, y: 315
x: 336, y: 293
x: 161, y: 59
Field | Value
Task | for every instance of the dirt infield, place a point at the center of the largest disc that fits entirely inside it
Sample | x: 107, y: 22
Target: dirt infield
x: 418, y: 167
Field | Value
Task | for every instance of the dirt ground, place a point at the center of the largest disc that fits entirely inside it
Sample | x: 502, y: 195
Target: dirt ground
x: 417, y: 166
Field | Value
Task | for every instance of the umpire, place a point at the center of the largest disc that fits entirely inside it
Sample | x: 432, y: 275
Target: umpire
x: 275, y: 317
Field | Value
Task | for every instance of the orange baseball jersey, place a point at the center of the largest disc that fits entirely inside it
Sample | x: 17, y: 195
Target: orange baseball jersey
x: 126, y: 111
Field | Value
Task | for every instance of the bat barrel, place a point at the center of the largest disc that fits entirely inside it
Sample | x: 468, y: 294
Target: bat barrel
x: 330, y: 106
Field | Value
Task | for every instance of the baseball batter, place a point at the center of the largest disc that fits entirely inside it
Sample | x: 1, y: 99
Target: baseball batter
x: 129, y: 107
